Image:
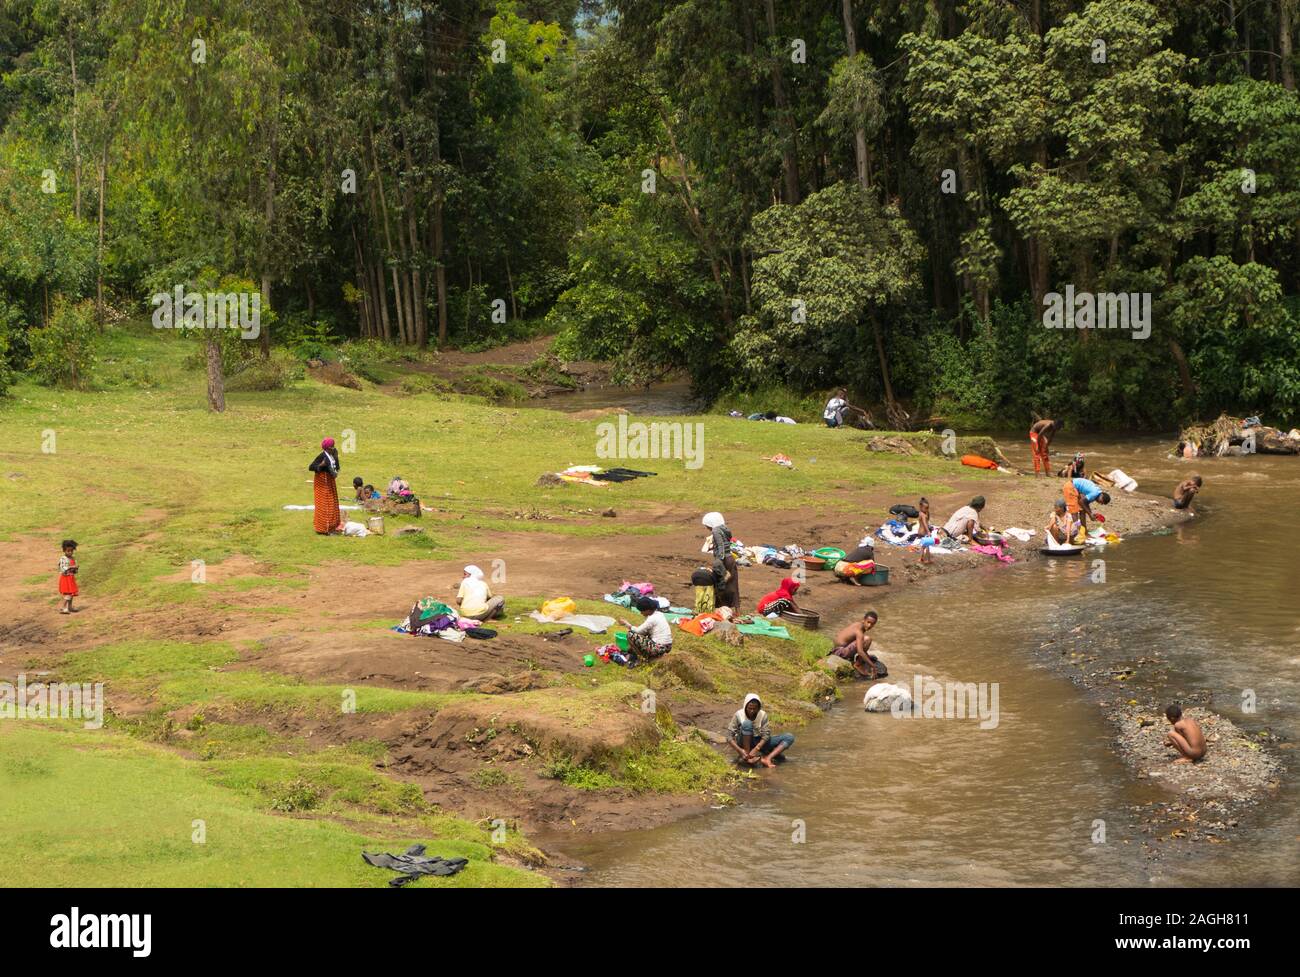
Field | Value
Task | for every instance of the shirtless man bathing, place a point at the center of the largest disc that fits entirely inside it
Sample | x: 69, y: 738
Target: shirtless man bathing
x: 1186, y: 737
x: 853, y: 644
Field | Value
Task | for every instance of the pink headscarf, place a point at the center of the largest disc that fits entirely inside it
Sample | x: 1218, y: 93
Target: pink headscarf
x: 327, y: 443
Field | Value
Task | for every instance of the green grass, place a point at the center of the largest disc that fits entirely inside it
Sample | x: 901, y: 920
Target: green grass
x: 113, y: 811
x: 148, y: 480
x: 177, y: 674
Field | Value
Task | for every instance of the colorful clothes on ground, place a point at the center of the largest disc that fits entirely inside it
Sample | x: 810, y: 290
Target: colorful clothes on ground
x: 849, y: 571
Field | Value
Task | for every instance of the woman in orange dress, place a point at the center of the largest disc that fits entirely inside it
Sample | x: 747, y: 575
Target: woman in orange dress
x: 326, y: 466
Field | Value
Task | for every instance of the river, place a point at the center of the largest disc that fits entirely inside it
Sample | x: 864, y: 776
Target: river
x: 867, y: 799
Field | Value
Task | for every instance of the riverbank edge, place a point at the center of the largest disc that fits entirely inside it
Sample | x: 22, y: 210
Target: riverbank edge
x: 1167, y: 815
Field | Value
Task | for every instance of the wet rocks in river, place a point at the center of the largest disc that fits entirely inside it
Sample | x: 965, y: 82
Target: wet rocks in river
x: 1236, y: 767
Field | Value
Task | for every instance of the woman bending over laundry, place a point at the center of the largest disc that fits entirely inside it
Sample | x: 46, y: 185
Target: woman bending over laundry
x: 780, y: 600
x: 725, y: 569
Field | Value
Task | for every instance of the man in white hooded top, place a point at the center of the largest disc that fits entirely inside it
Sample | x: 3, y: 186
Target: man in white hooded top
x: 752, y: 738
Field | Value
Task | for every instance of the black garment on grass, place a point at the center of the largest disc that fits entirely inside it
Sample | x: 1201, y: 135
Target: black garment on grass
x: 413, y: 864
x: 621, y: 475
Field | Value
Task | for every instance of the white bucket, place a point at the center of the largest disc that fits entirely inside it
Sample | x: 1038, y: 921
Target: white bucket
x: 376, y: 525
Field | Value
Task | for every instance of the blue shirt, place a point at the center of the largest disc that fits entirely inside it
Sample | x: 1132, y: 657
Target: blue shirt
x: 1087, y: 488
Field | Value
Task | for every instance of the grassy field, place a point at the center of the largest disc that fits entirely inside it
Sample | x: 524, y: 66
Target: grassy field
x: 148, y: 480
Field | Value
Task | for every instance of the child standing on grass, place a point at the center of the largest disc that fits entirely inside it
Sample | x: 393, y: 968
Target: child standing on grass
x: 68, y: 575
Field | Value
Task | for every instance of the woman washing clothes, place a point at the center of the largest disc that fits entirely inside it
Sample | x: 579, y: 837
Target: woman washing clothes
x: 725, y: 569
x: 653, y: 637
x: 325, y: 491
x: 780, y: 600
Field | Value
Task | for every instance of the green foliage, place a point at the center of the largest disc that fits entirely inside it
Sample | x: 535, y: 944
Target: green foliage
x: 63, y: 351
x: 827, y: 265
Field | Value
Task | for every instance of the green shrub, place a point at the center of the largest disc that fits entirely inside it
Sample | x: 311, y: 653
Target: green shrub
x: 423, y: 383
x: 275, y: 373
x: 63, y: 350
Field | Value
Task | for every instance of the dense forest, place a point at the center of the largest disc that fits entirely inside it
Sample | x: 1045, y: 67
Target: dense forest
x: 772, y: 195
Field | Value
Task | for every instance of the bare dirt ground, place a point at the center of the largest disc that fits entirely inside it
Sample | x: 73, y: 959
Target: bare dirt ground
x: 336, y: 630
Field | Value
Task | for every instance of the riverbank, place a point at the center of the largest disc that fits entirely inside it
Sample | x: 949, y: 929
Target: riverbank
x: 239, y: 671
x: 259, y: 656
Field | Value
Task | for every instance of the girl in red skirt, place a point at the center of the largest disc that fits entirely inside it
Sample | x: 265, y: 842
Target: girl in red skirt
x: 68, y: 575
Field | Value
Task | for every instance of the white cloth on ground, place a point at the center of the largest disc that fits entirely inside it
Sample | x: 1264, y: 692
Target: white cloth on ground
x: 595, y: 623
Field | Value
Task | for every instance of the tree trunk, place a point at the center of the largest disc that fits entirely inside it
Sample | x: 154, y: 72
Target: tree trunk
x: 76, y: 140
x: 1284, y: 25
x: 378, y: 182
x: 102, y: 174
x: 439, y: 241
x: 789, y: 146
x: 216, y: 380
x: 268, y: 212
x: 859, y: 133
x: 891, y: 406
x: 1184, y: 371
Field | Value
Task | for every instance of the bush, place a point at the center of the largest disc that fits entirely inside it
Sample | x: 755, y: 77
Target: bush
x: 10, y: 318
x: 423, y: 383
x: 63, y: 350
x: 275, y: 373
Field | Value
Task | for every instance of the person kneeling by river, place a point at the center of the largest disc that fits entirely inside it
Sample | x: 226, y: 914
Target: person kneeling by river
x: 653, y: 637
x: 853, y: 644
x: 751, y: 737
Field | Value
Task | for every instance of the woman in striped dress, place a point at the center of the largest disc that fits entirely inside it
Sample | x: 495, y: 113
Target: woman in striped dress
x: 326, y: 466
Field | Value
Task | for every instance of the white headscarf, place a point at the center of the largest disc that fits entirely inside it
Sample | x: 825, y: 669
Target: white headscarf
x: 473, y: 571
x: 713, y: 520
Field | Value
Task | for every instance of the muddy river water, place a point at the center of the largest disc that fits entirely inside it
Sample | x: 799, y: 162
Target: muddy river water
x: 882, y: 801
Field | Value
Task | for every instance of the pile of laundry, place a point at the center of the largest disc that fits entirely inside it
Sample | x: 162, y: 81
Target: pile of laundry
x: 765, y: 415
x: 629, y: 593
x: 431, y: 618
x: 597, y: 476
x: 783, y: 557
x: 897, y: 532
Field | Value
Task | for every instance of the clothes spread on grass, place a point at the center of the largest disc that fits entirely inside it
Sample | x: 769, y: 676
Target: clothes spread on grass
x: 595, y: 623
x: 601, y: 477
x: 414, y: 863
